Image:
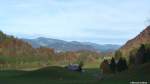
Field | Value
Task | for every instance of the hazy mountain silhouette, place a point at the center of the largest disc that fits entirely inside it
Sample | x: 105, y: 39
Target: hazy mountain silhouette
x: 61, y: 45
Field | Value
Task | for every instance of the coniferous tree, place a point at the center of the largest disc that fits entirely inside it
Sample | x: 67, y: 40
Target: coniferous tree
x: 132, y: 56
x: 131, y: 60
x: 147, y: 52
x: 140, y: 56
x: 118, y: 54
x: 113, y: 65
x: 2, y: 36
x: 121, y: 65
x: 124, y: 64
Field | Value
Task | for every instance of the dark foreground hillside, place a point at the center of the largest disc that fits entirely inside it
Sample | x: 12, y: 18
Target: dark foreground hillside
x: 59, y: 75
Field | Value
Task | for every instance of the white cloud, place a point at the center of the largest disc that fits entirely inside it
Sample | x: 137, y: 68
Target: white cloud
x: 75, y: 19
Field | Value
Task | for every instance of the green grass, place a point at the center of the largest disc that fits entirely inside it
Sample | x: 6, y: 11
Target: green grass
x: 54, y: 75
x: 59, y: 75
x: 136, y: 74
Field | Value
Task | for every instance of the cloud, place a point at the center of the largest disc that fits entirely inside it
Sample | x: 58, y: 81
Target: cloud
x: 83, y: 20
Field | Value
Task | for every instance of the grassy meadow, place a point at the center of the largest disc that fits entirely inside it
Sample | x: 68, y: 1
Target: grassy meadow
x: 60, y: 75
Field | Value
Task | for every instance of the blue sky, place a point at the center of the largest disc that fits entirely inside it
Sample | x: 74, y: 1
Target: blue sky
x: 99, y: 21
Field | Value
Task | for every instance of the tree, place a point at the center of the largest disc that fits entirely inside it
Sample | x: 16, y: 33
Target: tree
x: 118, y: 54
x: 105, y: 67
x: 132, y: 56
x: 2, y: 36
x: 140, y: 56
x: 121, y: 65
x: 131, y: 59
x: 81, y: 64
x: 147, y: 52
x: 113, y: 65
x: 124, y: 64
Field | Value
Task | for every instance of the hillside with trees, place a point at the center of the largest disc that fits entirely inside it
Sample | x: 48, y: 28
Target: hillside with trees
x: 135, y: 53
x: 15, y: 52
x: 142, y: 38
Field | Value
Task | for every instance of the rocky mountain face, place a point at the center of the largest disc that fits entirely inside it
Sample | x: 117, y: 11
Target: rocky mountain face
x: 142, y: 38
x: 60, y: 45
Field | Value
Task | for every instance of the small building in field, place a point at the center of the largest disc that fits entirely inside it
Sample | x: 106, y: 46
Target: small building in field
x: 74, y: 67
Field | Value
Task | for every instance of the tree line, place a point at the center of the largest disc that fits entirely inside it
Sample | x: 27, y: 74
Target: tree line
x: 118, y: 63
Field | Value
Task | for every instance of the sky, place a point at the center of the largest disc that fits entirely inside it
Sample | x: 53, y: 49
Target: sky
x: 98, y: 21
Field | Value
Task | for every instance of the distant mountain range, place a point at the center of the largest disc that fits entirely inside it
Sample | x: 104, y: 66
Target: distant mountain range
x: 61, y: 45
x: 14, y: 51
x: 142, y: 38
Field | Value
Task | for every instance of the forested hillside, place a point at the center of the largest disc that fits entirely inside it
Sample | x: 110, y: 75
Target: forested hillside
x: 15, y: 52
